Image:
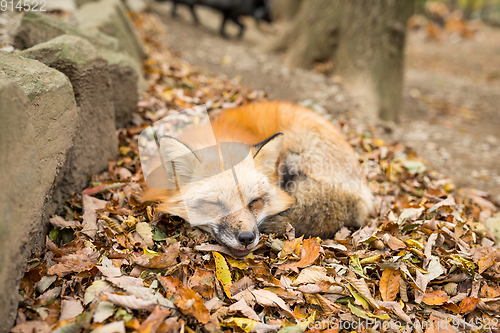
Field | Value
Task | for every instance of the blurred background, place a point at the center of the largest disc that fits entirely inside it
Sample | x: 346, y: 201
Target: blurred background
x: 354, y: 61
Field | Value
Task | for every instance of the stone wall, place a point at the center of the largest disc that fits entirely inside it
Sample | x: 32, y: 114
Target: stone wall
x: 64, y: 91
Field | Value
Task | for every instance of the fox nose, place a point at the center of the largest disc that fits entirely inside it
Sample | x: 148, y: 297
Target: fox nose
x: 246, y: 238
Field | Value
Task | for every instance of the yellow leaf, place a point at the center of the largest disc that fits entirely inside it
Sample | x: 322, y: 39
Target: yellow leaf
x: 249, y: 325
x: 370, y: 260
x: 237, y: 263
x: 245, y: 324
x: 222, y: 273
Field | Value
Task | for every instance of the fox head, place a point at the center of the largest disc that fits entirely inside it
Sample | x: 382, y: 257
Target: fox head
x: 226, y: 190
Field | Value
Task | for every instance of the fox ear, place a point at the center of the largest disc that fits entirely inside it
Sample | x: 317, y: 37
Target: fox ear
x: 177, y: 159
x: 266, y: 154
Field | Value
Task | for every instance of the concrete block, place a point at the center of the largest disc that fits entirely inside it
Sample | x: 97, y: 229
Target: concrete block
x: 96, y: 140
x: 110, y: 17
x: 21, y: 197
x: 80, y: 3
x: 127, y: 81
x: 52, y: 111
x: 36, y: 28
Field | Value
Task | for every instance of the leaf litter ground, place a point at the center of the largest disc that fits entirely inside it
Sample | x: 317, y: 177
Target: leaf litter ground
x: 425, y: 262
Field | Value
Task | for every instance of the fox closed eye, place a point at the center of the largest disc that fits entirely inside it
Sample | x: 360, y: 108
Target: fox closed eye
x: 256, y: 203
x: 210, y: 206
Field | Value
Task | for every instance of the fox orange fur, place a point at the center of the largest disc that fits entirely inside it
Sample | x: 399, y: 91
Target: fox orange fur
x: 301, y: 171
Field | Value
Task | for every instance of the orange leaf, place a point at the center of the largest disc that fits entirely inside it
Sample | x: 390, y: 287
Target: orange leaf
x: 291, y: 247
x: 154, y: 320
x: 203, y: 282
x: 468, y: 304
x: 185, y: 299
x: 488, y: 261
x: 389, y: 284
x: 161, y: 261
x: 394, y: 243
x: 309, y: 254
x: 436, y: 297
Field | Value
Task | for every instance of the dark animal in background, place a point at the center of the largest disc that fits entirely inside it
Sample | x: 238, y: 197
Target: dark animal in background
x: 231, y: 10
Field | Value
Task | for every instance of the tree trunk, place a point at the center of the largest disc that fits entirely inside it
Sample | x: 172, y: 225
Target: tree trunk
x: 364, y: 39
x: 284, y: 9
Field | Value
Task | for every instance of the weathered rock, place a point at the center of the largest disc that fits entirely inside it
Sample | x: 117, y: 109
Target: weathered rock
x: 110, y: 17
x: 96, y: 141
x: 21, y: 197
x: 52, y: 111
x: 127, y: 82
x: 80, y: 3
x: 36, y: 28
x: 136, y: 6
x: 63, y: 5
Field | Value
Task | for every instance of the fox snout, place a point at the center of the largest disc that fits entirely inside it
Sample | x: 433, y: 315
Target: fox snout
x: 246, y: 238
x: 238, y: 231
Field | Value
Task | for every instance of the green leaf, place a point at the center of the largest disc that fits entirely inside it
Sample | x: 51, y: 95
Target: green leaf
x: 359, y: 298
x: 415, y: 167
x: 54, y: 234
x: 366, y: 315
x: 158, y: 235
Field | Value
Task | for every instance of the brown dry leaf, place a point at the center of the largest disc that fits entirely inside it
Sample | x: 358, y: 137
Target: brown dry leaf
x: 185, y: 299
x: 267, y: 298
x: 490, y: 291
x: 362, y: 288
x: 154, y: 320
x: 110, y: 272
x: 488, y: 261
x: 213, y: 248
x: 468, y: 304
x: 436, y: 297
x: 243, y: 307
x: 312, y: 274
x: 242, y: 284
x: 129, y: 301
x: 439, y: 325
x: 202, y: 281
x: 114, y: 327
x: 389, y: 284
x: 161, y: 261
x: 395, y: 307
x: 393, y: 243
x: 449, y: 201
x: 328, y: 306
x: 58, y: 221
x: 36, y: 326
x: 143, y: 234
x: 420, y: 286
x: 80, y: 261
x: 309, y: 253
x: 428, y: 248
x: 70, y: 308
x: 90, y: 205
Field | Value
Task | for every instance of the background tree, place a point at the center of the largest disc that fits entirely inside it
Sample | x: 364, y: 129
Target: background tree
x: 365, y: 40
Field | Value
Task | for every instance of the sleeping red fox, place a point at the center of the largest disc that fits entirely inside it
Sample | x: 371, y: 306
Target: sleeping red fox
x: 301, y: 170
